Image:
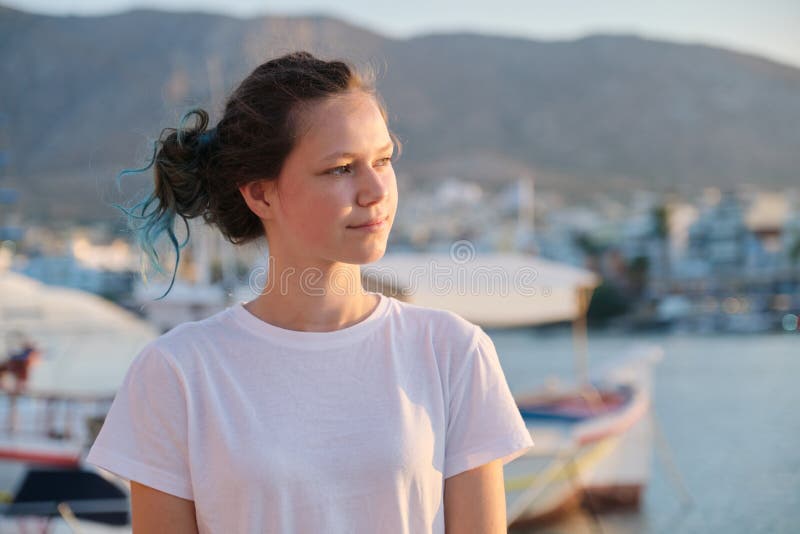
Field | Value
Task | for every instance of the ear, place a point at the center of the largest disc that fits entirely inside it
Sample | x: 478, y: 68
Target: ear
x: 258, y: 197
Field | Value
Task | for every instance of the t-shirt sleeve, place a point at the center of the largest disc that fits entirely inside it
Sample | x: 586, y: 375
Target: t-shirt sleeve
x: 484, y: 422
x: 144, y: 436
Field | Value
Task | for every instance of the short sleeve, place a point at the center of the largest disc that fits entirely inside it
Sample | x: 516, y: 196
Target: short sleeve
x: 144, y: 436
x: 484, y: 422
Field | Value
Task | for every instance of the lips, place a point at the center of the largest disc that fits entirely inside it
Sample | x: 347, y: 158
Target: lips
x: 371, y: 222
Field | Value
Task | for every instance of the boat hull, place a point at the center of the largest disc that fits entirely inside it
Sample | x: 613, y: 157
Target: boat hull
x: 598, y: 463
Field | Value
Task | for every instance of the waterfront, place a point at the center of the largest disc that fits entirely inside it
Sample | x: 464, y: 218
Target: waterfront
x: 727, y: 406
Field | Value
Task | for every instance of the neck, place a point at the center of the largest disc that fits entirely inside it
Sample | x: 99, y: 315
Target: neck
x: 321, y: 298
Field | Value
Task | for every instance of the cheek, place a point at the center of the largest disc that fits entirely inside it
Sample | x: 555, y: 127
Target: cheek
x: 316, y: 214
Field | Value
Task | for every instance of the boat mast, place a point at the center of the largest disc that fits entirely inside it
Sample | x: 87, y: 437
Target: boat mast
x: 580, y: 336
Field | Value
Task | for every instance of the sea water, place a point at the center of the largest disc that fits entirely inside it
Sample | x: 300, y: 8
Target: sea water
x: 728, y: 407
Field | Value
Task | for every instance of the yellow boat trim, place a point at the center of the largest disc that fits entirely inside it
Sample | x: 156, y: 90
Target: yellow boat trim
x: 555, y: 471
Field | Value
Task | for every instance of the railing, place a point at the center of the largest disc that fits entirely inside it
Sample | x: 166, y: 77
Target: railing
x: 51, y: 415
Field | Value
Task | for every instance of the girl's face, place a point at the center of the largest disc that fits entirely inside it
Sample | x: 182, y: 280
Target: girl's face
x: 338, y: 176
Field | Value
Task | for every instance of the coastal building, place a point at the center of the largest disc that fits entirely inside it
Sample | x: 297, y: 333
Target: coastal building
x: 719, y: 237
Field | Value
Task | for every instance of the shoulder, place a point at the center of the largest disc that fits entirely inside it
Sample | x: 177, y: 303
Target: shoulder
x: 448, y: 330
x: 187, y: 340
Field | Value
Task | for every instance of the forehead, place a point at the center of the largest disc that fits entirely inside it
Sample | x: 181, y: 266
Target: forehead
x: 349, y: 122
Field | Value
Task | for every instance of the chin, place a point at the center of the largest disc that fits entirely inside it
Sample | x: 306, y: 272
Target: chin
x: 366, y: 256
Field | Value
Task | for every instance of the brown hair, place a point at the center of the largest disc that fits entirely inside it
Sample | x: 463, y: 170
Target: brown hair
x: 198, y: 170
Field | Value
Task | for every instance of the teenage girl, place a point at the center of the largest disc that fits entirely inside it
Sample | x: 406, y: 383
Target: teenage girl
x: 318, y: 406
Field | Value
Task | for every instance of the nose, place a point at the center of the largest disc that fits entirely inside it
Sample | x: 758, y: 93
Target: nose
x: 373, y: 186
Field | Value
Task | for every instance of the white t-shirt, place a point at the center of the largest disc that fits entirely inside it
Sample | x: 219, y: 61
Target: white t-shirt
x: 272, y: 430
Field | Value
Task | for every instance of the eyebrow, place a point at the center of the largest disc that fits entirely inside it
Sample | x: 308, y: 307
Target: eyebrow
x: 343, y: 155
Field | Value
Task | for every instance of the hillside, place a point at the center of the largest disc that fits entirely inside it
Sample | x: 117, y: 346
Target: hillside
x: 83, y: 95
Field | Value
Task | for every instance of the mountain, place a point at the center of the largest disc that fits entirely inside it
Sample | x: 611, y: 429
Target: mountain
x: 83, y: 97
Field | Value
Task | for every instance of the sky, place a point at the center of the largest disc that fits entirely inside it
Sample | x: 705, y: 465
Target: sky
x: 768, y: 28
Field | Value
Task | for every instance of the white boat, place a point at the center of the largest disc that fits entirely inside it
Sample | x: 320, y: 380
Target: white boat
x: 47, y: 423
x: 593, y: 446
x: 593, y: 440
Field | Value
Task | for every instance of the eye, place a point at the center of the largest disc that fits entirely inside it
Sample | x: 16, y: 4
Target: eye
x: 341, y: 169
x: 385, y: 161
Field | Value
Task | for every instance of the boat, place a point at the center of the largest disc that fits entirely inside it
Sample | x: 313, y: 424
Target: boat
x: 593, y: 446
x: 593, y: 438
x: 48, y: 421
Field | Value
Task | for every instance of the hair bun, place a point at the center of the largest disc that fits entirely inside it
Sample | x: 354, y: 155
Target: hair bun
x: 182, y: 164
